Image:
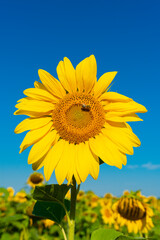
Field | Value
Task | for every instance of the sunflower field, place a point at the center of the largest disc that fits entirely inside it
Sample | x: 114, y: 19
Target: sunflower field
x: 132, y: 214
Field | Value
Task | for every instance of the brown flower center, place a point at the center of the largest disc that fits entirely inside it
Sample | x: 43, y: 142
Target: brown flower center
x: 36, y: 179
x: 78, y: 117
x: 131, y: 209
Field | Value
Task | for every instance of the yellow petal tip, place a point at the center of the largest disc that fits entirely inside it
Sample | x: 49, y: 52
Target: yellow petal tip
x: 40, y: 71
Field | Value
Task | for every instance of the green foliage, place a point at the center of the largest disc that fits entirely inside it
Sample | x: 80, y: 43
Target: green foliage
x: 111, y: 234
x: 105, y: 234
x: 51, y: 203
x: 4, y: 192
x: 53, y: 192
x: 17, y: 221
x: 51, y: 210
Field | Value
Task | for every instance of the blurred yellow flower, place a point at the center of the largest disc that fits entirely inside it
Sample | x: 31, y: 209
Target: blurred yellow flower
x: 47, y: 223
x: 107, y: 215
x: 75, y: 121
x: 133, y: 213
x: 93, y: 202
x: 108, y: 195
x: 35, y: 179
x: 90, y: 216
x: 125, y: 192
x: 105, y: 202
x: 80, y: 195
x: 11, y: 193
x: 20, y: 197
x: 153, y: 201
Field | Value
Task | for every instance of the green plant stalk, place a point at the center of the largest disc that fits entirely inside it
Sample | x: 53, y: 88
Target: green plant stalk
x: 71, y: 224
x: 63, y: 232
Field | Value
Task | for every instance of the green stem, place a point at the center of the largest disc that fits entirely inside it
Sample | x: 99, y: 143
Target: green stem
x: 71, y: 224
x: 63, y: 232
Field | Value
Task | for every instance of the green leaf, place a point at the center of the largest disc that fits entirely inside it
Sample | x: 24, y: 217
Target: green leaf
x: 131, y: 238
x: 124, y: 238
x: 11, y: 219
x: 18, y: 225
x: 53, y: 192
x: 5, y: 192
x: 6, y: 236
x: 105, y: 234
x: 51, y: 210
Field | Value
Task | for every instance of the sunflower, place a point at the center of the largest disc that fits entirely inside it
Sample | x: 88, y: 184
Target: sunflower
x: 108, y: 196
x: 11, y: 193
x: 35, y: 179
x: 75, y: 121
x: 107, y: 213
x: 80, y: 195
x: 90, y: 216
x: 125, y: 192
x: 134, y: 213
x: 105, y: 201
x: 47, y: 223
x: 93, y: 201
x: 20, y: 197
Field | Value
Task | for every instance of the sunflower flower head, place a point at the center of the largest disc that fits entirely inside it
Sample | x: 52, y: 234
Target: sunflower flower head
x: 35, y: 179
x: 20, y: 197
x: 47, y: 223
x: 107, y: 214
x: 75, y: 121
x: 105, y: 202
x: 11, y: 193
x: 80, y: 195
x: 134, y: 213
x: 90, y: 216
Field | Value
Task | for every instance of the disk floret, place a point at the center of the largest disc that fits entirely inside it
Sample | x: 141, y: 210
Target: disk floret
x: 78, y: 117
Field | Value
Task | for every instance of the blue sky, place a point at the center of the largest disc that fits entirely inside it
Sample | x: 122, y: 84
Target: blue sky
x: 123, y: 35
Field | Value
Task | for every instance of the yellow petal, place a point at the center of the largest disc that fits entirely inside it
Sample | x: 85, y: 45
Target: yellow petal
x: 106, y: 150
x: 40, y: 148
x: 124, y: 158
x: 39, y: 164
x: 86, y: 72
x: 31, y: 113
x: 113, y: 96
x: 94, y: 162
x: 35, y: 106
x: 64, y: 166
x: 71, y: 162
x: 66, y: 75
x: 86, y: 163
x: 135, y: 140
x: 120, y: 138
x: 103, y: 83
x: 40, y: 94
x: 77, y: 177
x: 39, y: 85
x: 52, y: 84
x: 24, y: 99
x: 123, y: 118
x: 53, y: 158
x: 34, y: 136
x: 82, y: 162
x: 32, y: 123
x: 128, y: 107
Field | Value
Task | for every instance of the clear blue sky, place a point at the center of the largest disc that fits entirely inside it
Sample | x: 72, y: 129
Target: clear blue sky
x: 123, y: 35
